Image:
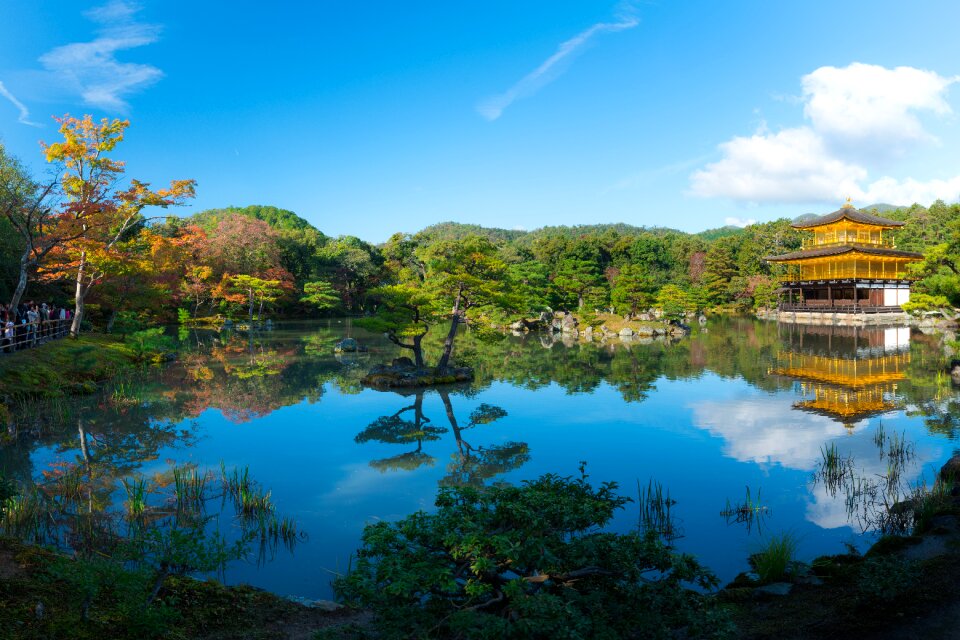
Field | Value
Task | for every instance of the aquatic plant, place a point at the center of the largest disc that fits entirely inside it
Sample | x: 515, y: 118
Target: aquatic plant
x: 773, y: 560
x: 24, y: 514
x: 189, y: 488
x: 751, y: 511
x: 656, y: 516
x: 136, y: 489
x: 833, y: 468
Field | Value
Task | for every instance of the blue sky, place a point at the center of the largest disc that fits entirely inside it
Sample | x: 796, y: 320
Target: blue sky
x: 368, y: 118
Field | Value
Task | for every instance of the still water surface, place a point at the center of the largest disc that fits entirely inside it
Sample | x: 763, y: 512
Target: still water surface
x: 742, y: 404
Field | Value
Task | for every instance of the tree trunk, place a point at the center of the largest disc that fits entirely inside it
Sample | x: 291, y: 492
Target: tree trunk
x: 22, y: 281
x: 418, y: 351
x: 260, y: 310
x: 579, y: 301
x: 112, y: 320
x: 78, y: 297
x: 451, y: 335
x: 251, y: 309
x: 445, y: 397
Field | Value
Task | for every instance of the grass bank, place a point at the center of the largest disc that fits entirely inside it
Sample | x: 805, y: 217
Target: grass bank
x: 40, y: 597
x: 64, y: 367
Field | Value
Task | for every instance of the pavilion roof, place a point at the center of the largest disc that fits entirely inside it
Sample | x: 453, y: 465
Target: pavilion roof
x: 822, y: 252
x: 850, y: 213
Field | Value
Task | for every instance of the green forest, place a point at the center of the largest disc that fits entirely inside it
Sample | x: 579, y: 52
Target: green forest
x: 111, y: 247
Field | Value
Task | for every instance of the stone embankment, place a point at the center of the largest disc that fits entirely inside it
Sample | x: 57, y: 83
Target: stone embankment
x: 936, y: 320
x: 602, y: 327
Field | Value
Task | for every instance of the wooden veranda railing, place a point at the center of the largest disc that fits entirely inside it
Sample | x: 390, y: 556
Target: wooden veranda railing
x: 31, y: 334
x: 839, y: 306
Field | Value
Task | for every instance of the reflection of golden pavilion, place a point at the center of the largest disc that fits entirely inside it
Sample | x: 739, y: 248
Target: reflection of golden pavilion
x: 845, y: 373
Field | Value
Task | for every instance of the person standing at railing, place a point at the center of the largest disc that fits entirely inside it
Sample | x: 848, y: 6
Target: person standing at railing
x: 44, y: 321
x: 7, y: 334
x: 33, y: 317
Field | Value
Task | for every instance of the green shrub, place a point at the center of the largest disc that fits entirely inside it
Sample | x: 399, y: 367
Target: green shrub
x: 774, y: 560
x: 149, y: 342
x: 920, y: 302
x: 527, y: 561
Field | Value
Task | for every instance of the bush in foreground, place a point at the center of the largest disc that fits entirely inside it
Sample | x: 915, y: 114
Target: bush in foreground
x: 528, y: 562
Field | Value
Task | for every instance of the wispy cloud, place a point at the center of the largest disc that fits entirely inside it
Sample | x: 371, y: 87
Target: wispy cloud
x: 92, y: 67
x: 734, y: 221
x: 548, y: 71
x: 24, y: 117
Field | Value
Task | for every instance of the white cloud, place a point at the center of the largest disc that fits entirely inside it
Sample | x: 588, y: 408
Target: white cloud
x: 92, y: 67
x: 739, y: 222
x: 24, y: 117
x: 792, y: 165
x: 909, y: 191
x: 864, y: 103
x: 548, y: 70
x: 857, y: 115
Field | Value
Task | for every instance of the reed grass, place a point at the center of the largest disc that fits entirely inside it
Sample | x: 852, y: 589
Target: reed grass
x: 656, y: 515
x: 751, y: 511
x: 136, y: 489
x: 774, y: 559
x: 190, y: 488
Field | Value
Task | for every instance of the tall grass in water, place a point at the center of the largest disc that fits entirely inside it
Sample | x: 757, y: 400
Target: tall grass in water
x: 833, y: 469
x: 25, y: 515
x: 190, y: 488
x: 136, y: 489
x: 751, y: 511
x: 774, y: 559
x: 248, y: 497
x: 656, y: 514
x: 258, y: 515
x: 880, y: 437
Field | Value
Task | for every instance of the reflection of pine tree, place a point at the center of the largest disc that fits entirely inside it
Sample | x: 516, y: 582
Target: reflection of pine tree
x: 395, y: 429
x: 473, y: 465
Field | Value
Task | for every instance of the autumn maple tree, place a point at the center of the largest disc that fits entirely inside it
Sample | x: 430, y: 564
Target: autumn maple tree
x: 98, y: 213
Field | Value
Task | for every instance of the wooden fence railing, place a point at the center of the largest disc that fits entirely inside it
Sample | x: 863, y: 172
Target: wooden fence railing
x: 30, y: 334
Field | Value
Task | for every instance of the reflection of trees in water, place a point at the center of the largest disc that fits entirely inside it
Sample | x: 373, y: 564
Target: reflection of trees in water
x: 470, y: 464
x: 398, y: 429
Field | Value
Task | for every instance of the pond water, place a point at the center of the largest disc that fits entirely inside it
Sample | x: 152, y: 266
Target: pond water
x: 740, y: 406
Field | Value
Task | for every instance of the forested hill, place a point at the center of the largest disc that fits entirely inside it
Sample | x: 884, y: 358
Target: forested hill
x: 280, y: 219
x: 457, y: 231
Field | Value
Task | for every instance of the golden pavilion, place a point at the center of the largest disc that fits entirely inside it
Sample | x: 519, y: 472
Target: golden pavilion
x: 848, y: 263
x: 844, y: 373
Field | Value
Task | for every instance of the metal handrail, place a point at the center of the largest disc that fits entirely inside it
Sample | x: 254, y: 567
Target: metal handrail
x: 31, y: 334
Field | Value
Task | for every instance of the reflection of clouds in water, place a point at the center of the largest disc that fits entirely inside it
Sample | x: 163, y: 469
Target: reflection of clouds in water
x: 359, y: 481
x: 768, y: 430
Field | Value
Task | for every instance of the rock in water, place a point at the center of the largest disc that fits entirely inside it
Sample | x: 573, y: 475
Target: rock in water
x: 347, y: 345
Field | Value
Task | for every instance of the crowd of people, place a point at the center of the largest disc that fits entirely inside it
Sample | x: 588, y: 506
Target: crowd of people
x: 28, y: 324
